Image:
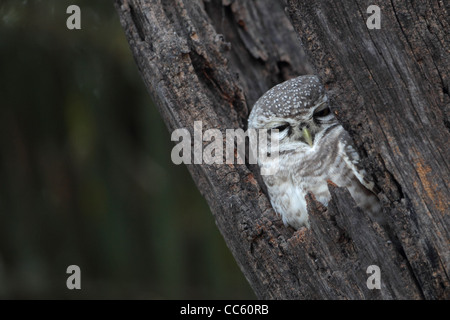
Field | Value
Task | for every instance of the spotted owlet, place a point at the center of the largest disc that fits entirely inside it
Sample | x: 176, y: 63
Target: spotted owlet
x: 313, y: 148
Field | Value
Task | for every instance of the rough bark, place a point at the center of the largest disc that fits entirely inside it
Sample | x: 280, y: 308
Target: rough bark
x: 389, y: 87
x: 211, y: 60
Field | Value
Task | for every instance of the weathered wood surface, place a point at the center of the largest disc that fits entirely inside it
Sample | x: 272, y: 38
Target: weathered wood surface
x: 211, y: 60
x: 390, y: 88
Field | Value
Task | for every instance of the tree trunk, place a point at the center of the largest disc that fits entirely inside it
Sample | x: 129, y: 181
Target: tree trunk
x: 211, y: 60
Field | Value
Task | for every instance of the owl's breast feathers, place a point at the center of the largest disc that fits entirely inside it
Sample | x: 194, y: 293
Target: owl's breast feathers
x: 332, y: 157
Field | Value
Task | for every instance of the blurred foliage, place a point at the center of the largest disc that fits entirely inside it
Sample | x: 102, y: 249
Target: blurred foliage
x: 85, y: 170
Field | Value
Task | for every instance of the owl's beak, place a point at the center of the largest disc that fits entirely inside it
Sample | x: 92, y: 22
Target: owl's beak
x: 307, y: 136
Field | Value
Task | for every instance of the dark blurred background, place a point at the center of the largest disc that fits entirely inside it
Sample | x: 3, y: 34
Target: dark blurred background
x: 85, y: 171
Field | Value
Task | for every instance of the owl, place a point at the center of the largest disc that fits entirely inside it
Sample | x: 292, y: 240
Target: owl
x: 313, y: 148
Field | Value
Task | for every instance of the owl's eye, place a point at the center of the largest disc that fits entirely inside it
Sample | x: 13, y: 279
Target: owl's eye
x: 281, y: 127
x: 322, y: 113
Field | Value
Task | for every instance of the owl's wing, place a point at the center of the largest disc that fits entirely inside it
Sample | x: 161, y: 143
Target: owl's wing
x: 351, y: 158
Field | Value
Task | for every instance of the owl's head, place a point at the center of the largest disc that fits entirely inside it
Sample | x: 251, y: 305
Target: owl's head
x: 298, y: 108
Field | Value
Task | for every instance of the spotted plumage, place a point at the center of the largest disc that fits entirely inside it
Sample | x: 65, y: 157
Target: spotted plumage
x: 313, y: 148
